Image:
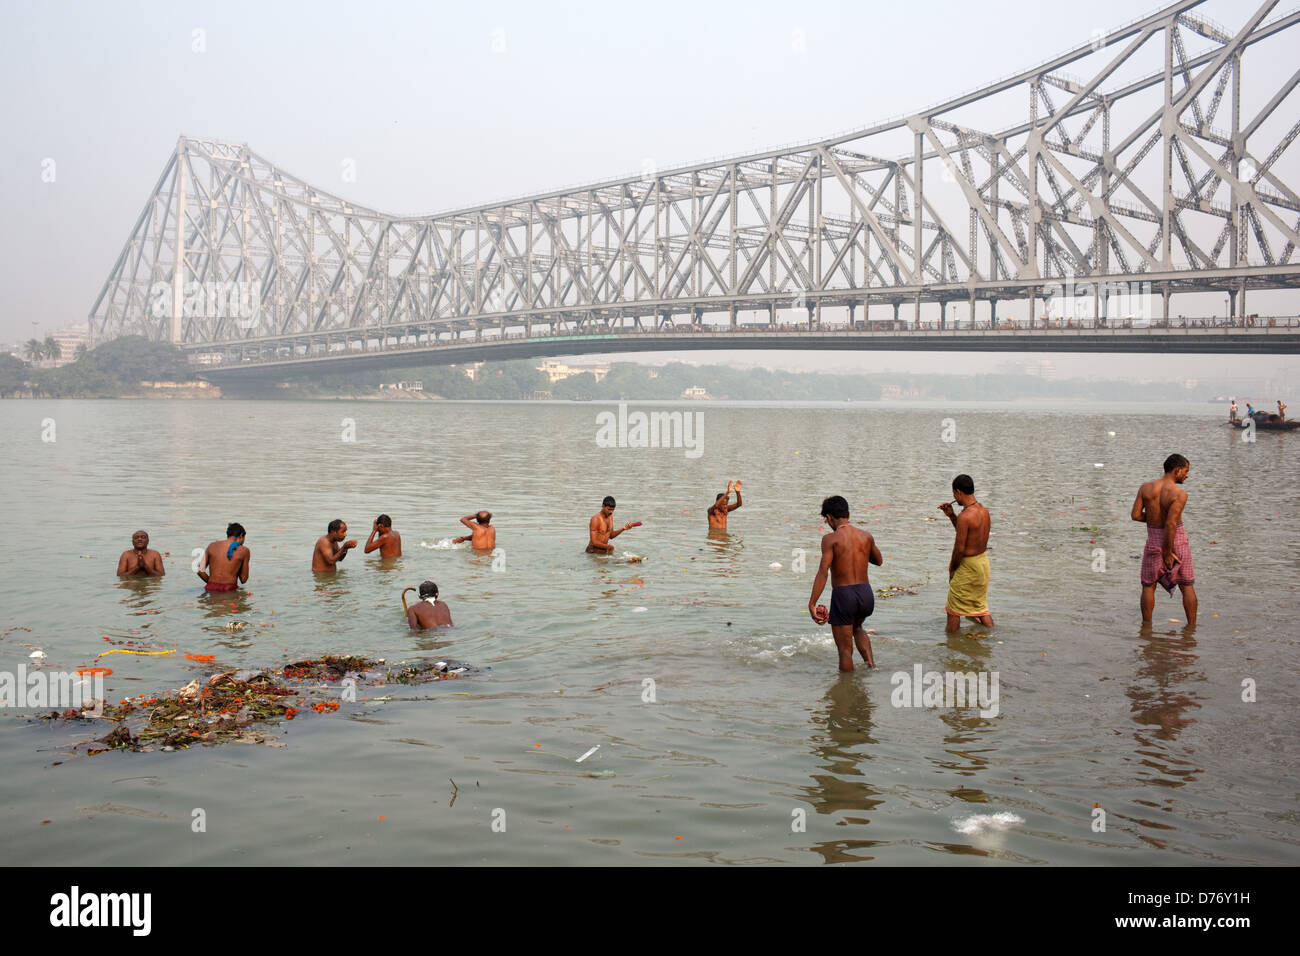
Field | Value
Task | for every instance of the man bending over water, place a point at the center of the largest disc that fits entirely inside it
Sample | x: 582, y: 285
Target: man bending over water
x: 225, y: 564
x: 968, y: 569
x: 383, y: 537
x: 720, y: 508
x: 846, y: 553
x: 482, y: 535
x: 331, y: 548
x: 601, y: 530
x: 141, y: 560
x: 428, y: 611
x: 1167, y: 557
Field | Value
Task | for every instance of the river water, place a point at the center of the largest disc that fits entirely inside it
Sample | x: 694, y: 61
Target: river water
x: 725, y: 733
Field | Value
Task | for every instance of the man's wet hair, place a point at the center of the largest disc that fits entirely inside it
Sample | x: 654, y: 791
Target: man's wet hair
x: 965, y: 484
x: 1174, y: 462
x: 608, y: 502
x: 235, y: 530
x: 335, y: 525
x: 384, y: 520
x: 483, y: 517
x: 835, y: 507
x: 428, y: 590
x: 721, y: 495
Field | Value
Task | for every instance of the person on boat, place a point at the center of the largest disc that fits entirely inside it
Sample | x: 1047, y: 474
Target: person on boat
x: 1250, y: 410
x: 1167, y: 557
x: 1232, y: 410
x: 968, y: 569
x: 428, y: 611
x: 225, y: 564
x: 1281, y: 410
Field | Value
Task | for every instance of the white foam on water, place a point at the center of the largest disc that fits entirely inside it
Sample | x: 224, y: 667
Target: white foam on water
x: 442, y: 545
x: 792, y: 645
x: 980, y: 822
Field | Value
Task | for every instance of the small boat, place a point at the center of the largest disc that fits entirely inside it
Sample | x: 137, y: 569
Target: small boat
x: 1267, y: 422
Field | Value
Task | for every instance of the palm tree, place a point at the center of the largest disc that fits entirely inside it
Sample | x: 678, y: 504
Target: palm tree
x: 35, y: 350
x: 53, y: 351
x: 81, y: 351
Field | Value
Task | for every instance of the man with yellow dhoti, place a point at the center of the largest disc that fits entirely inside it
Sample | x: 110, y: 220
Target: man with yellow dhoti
x: 968, y: 571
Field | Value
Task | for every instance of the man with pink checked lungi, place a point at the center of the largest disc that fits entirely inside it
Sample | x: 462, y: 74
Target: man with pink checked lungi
x: 1167, y: 557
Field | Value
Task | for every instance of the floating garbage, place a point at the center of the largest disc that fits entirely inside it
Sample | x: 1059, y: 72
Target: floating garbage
x: 588, y: 754
x: 775, y: 565
x: 895, y: 590
x: 232, y: 705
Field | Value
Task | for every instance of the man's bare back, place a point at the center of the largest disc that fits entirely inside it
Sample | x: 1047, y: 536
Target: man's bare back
x: 853, y: 551
x: 226, y: 564
x: 1156, y: 499
x: 483, y: 535
x: 424, y: 615
x: 847, y: 552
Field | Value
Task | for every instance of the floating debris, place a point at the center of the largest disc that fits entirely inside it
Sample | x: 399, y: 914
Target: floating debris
x: 894, y: 590
x: 231, y: 705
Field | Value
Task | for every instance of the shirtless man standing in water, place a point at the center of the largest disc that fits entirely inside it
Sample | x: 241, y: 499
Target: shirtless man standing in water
x: 141, y: 560
x: 601, y: 530
x: 720, y: 508
x: 1167, y: 557
x: 331, y: 548
x: 383, y: 537
x: 846, y: 552
x: 224, y: 565
x: 482, y: 536
x: 968, y: 568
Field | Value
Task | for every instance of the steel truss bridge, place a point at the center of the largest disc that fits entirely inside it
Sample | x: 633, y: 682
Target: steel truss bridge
x: 1159, y: 172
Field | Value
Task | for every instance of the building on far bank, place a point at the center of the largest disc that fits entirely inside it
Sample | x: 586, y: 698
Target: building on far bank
x: 471, y: 369
x: 69, y: 338
x: 555, y: 370
x: 695, y: 392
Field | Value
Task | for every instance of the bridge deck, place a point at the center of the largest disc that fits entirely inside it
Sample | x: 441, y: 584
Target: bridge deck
x: 1224, y: 340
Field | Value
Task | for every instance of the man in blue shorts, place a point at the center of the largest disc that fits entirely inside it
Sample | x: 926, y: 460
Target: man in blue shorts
x: 846, y: 553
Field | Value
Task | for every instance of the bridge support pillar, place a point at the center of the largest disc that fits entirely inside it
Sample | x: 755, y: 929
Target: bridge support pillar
x: 1164, y: 296
x: 895, y: 315
x: 852, y: 306
x: 943, y: 313
x: 1232, y: 302
x: 1241, y: 299
x: 771, y: 314
x: 814, y: 316
x: 731, y: 318
x: 916, y: 309
x: 993, y: 314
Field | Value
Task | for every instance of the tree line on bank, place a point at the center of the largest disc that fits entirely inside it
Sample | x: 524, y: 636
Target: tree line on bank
x: 115, y: 368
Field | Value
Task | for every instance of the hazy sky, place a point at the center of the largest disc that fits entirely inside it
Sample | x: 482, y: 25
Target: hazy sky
x: 440, y: 105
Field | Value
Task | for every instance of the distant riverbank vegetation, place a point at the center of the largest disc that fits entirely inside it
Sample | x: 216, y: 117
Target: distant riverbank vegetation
x: 127, y: 367
x: 114, y: 369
